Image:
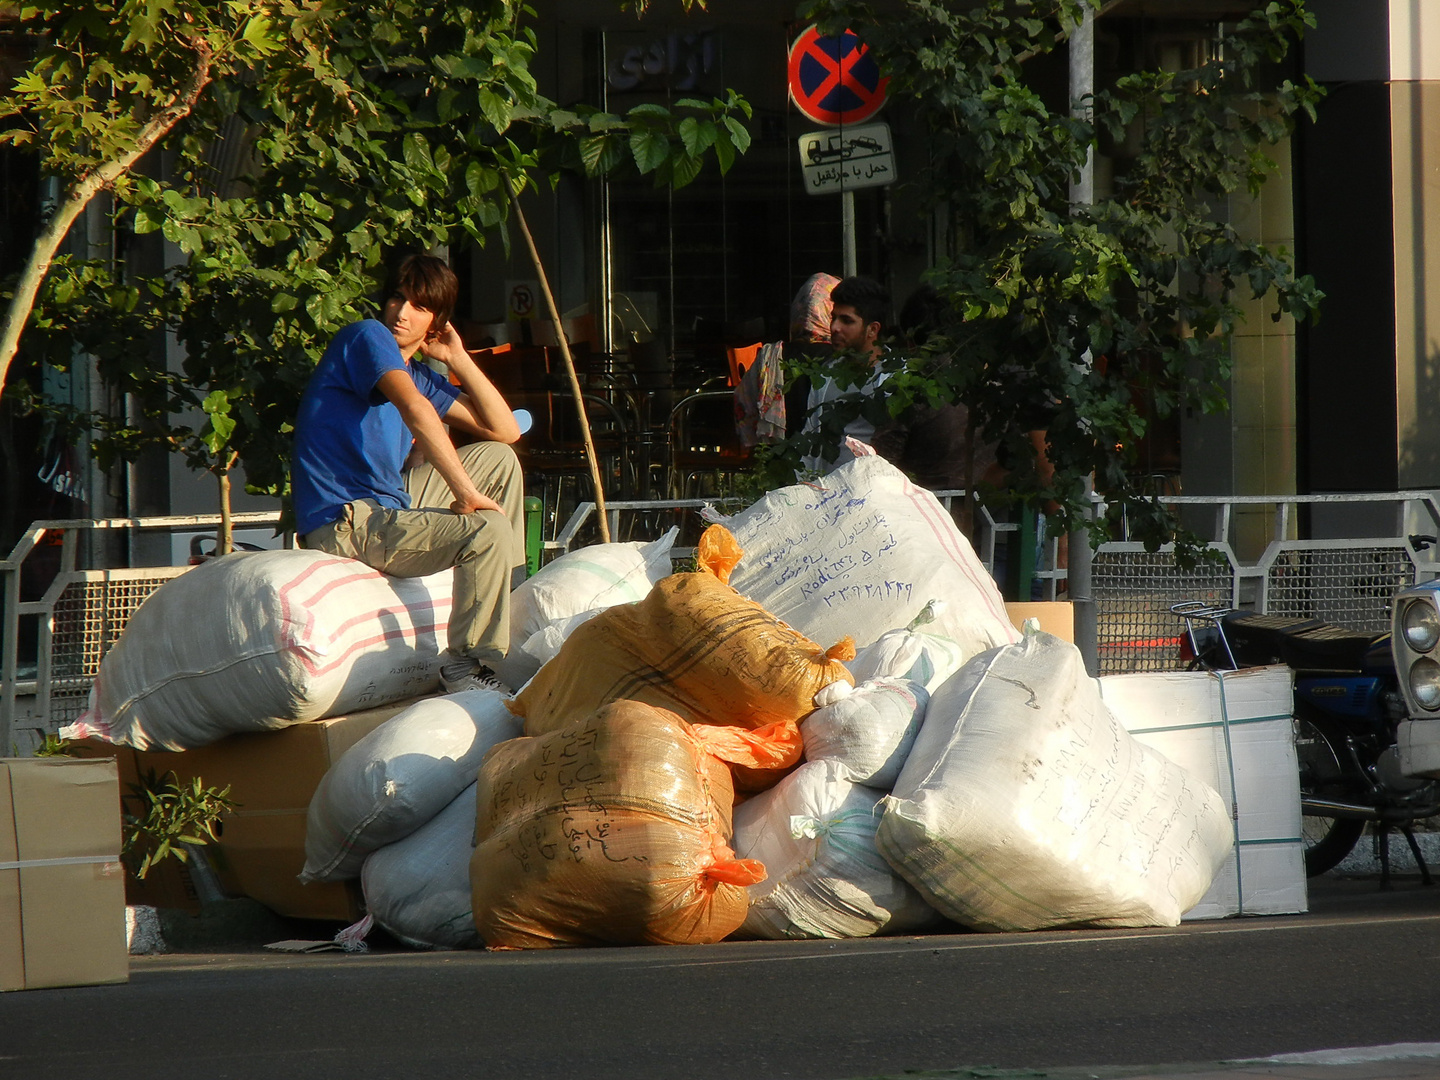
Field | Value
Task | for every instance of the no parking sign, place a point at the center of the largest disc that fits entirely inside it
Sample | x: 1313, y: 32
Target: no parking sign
x: 834, y: 80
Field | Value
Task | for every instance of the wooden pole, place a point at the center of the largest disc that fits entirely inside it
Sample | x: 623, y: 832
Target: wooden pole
x: 575, y: 390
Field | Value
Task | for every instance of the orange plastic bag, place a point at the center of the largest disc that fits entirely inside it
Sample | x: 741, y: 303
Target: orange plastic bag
x: 612, y: 830
x: 694, y: 646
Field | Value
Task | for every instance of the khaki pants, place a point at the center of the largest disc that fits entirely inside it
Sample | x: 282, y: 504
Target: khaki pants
x: 486, y: 548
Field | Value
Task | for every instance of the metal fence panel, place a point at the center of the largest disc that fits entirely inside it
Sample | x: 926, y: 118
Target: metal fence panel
x: 1133, y: 590
x: 1346, y: 582
x: 88, y: 615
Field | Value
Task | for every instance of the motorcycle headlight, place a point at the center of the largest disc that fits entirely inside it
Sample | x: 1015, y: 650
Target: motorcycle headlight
x: 1425, y: 683
x: 1421, y: 626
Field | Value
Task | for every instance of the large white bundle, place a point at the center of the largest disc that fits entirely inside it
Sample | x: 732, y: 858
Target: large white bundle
x: 1233, y: 730
x: 599, y: 576
x: 419, y: 888
x: 815, y: 834
x: 1025, y: 804
x: 862, y: 551
x: 400, y: 776
x: 260, y: 640
x: 869, y: 729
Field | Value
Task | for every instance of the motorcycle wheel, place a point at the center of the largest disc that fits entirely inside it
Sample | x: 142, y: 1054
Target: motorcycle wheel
x: 1323, y: 775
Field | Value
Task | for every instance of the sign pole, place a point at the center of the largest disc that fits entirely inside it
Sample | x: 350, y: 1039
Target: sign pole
x: 847, y: 233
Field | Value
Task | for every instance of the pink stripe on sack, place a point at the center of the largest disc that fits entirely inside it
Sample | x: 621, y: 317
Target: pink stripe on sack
x: 933, y: 514
x: 435, y: 607
x: 307, y: 627
x: 411, y: 634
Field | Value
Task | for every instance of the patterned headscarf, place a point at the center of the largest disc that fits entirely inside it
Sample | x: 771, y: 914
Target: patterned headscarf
x: 810, y: 310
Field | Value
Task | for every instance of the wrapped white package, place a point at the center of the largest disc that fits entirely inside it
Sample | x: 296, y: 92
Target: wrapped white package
x: 599, y: 576
x: 1232, y: 729
x: 400, y: 776
x: 815, y: 833
x: 1025, y: 804
x: 907, y: 654
x: 869, y: 729
x: 860, y: 552
x: 418, y: 888
x: 256, y: 641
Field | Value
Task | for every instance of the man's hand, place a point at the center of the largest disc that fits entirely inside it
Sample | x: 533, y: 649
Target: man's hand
x: 448, y: 349
x: 475, y: 501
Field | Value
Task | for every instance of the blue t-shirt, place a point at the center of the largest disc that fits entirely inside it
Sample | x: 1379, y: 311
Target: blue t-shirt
x: 350, y: 441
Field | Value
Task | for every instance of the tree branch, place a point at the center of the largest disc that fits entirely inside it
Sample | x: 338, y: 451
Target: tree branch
x: 85, y: 188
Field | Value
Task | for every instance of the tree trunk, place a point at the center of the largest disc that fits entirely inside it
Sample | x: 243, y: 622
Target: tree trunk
x: 579, y: 395
x: 85, y: 188
x: 225, y: 539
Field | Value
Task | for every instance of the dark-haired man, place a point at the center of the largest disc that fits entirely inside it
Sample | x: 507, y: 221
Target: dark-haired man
x: 368, y: 407
x: 859, y: 312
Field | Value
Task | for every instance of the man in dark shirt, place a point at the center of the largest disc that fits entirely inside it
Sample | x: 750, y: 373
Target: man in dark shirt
x: 368, y: 408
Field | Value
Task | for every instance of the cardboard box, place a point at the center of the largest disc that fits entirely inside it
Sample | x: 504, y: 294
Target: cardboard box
x: 271, y: 776
x: 1234, y: 731
x: 1056, y: 616
x: 62, y: 893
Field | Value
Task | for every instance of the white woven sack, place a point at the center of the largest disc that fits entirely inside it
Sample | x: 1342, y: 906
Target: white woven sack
x: 868, y: 729
x: 862, y: 551
x: 1024, y: 804
x: 419, y: 888
x: 599, y: 576
x: 400, y: 776
x: 256, y: 641
x: 815, y: 833
x: 907, y: 654
x: 526, y: 658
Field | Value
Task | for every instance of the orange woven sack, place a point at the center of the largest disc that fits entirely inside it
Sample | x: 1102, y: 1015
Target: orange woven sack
x: 612, y: 830
x: 694, y: 646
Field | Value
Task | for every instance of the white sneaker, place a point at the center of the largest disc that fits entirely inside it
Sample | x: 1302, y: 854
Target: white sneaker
x: 455, y: 678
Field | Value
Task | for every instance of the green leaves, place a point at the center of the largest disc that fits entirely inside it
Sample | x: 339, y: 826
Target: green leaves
x: 217, y: 407
x: 160, y: 815
x: 1088, y: 322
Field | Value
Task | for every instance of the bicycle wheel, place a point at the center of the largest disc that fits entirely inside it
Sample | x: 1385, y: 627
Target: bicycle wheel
x: 1323, y: 775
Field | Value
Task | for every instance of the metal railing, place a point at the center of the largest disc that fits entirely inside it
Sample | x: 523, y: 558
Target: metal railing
x: 1348, y: 581
x: 79, y: 615
x: 1344, y: 581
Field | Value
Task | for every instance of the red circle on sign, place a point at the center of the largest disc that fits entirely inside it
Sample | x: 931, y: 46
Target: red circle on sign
x: 834, y: 80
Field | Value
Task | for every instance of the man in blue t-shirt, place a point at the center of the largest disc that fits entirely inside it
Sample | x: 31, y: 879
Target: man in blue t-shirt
x: 376, y: 478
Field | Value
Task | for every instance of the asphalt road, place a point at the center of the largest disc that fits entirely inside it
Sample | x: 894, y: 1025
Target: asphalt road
x: 1362, y: 969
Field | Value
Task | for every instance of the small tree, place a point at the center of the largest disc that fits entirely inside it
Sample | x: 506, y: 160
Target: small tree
x: 1069, y: 317
x: 431, y: 114
x: 110, y: 80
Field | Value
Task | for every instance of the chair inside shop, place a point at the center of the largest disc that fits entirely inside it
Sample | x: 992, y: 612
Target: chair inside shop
x: 705, y: 452
x: 552, y: 453
x: 740, y: 357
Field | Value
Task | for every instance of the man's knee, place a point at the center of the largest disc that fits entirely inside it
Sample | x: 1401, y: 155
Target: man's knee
x: 491, y: 535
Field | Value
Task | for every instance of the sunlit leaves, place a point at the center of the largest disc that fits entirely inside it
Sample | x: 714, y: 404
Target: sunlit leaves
x: 1083, y: 320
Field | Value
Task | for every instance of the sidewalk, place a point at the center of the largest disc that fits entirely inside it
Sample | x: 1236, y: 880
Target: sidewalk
x: 1398, y: 1061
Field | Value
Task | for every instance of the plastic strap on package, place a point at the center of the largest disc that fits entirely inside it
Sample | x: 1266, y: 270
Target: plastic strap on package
x: 695, y: 647
x: 1025, y: 804
x: 1235, y: 731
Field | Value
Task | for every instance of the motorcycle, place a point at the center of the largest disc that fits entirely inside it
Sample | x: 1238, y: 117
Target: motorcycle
x: 1351, y: 708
